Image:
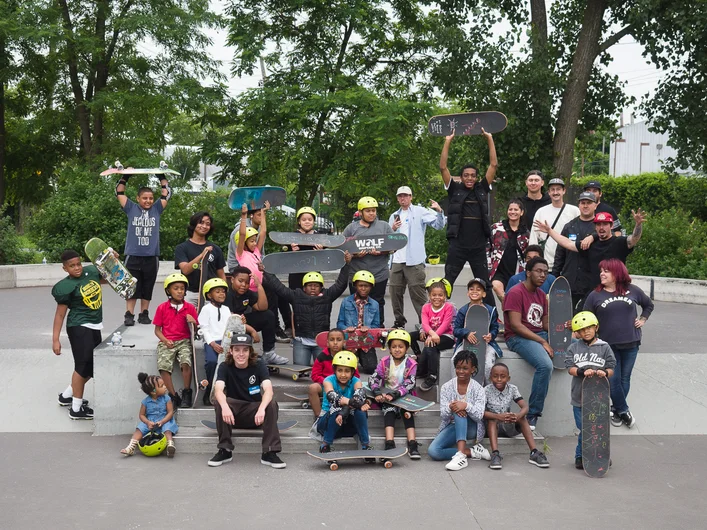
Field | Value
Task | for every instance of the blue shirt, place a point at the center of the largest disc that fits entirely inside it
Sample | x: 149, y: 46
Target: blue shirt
x: 347, y: 391
x: 143, y: 237
x: 418, y: 219
x: 156, y: 409
x: 520, y: 277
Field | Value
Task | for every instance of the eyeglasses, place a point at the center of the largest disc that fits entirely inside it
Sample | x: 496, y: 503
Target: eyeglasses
x: 541, y: 272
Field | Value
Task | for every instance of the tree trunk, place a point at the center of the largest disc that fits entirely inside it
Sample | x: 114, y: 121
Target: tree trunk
x: 3, y: 69
x: 541, y: 100
x: 575, y: 92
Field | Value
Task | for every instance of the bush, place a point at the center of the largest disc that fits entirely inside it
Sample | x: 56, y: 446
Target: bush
x: 11, y: 252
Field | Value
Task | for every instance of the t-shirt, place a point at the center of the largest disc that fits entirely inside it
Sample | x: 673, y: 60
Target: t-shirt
x: 550, y: 213
x: 347, y: 391
x: 438, y: 321
x: 174, y: 322
x: 598, y: 356
x: 531, y: 306
x: 617, y: 314
x: 83, y: 296
x: 471, y: 230
x: 376, y: 265
x: 243, y: 383
x: 532, y: 206
x: 401, y: 255
x: 143, y: 236
x: 614, y: 247
x: 241, y: 303
x: 499, y: 402
x: 188, y: 250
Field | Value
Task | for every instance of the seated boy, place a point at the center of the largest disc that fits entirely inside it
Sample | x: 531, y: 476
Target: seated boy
x: 359, y: 312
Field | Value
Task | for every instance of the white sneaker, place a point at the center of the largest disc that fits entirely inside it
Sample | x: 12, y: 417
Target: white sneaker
x: 479, y: 452
x: 457, y: 462
x: 273, y: 358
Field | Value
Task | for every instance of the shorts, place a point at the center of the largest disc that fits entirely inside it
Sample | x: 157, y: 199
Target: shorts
x: 508, y: 430
x: 83, y: 341
x: 144, y: 269
x: 181, y: 351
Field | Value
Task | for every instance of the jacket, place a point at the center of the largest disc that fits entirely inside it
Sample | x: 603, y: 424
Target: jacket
x: 499, y: 241
x: 457, y: 193
x: 380, y: 374
x: 419, y: 219
x: 460, y: 332
x: 572, y: 265
x: 348, y: 313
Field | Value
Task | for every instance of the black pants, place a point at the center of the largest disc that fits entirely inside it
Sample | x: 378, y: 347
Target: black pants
x: 266, y: 323
x: 378, y: 294
x: 457, y: 257
x: 428, y: 358
x: 275, y: 304
x: 244, y: 415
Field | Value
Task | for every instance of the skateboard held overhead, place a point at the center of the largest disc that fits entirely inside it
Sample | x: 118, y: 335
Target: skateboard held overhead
x: 467, y: 123
x: 298, y: 238
x: 559, y: 302
x: 382, y: 243
x: 111, y: 268
x: 386, y: 457
x: 596, y: 433
x: 477, y: 320
x: 329, y: 259
x: 255, y: 197
x: 295, y: 370
x: 119, y: 169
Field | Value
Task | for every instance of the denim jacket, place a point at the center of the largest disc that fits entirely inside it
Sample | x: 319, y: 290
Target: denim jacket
x: 348, y: 313
x: 420, y: 218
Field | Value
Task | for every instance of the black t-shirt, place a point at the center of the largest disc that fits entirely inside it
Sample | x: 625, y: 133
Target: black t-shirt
x: 614, y: 247
x: 508, y: 265
x: 532, y: 206
x: 471, y: 229
x: 188, y: 250
x: 241, y: 303
x: 243, y: 383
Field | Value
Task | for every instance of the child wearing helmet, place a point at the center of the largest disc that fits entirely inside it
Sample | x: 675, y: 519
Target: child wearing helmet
x: 344, y: 404
x: 306, y: 218
x: 360, y: 312
x: 156, y: 416
x: 323, y: 368
x: 394, y: 377
x: 249, y: 244
x: 171, y: 321
x: 588, y: 357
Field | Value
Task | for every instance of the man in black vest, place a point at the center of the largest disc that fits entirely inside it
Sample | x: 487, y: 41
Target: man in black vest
x: 468, y: 227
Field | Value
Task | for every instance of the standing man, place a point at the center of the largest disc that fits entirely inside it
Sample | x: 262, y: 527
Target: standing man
x: 535, y: 199
x: 557, y: 214
x: 469, y: 227
x: 408, y: 266
x: 594, y: 186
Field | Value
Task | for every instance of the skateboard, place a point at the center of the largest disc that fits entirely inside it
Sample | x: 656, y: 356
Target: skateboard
x: 296, y: 370
x: 329, y: 259
x: 559, y: 305
x: 383, y: 243
x: 386, y: 457
x: 407, y: 404
x: 255, y: 197
x: 467, y: 123
x: 111, y: 268
x: 303, y: 399
x: 203, y: 276
x: 477, y: 319
x: 119, y: 169
x: 357, y: 339
x: 596, y: 433
x: 281, y: 426
x: 298, y: 238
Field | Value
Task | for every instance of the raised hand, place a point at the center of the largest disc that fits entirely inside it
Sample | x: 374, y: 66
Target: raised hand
x: 639, y: 216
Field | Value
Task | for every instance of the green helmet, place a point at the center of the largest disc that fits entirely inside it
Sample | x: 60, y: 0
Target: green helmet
x: 153, y: 443
x: 363, y: 276
x: 584, y: 319
x: 212, y: 284
x: 367, y: 202
x: 399, y: 334
x: 312, y: 277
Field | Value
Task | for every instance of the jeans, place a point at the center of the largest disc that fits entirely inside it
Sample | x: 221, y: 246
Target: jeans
x: 355, y: 423
x: 444, y: 446
x: 457, y: 258
x: 578, y: 422
x: 538, y: 358
x: 304, y: 355
x: 210, y: 363
x: 378, y: 294
x: 620, y: 382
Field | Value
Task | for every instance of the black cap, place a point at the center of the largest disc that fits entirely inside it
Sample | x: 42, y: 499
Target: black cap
x: 481, y: 282
x: 241, y: 340
x: 593, y: 184
x: 587, y: 196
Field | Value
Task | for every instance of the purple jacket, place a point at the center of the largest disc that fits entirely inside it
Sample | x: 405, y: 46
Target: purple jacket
x: 379, y: 376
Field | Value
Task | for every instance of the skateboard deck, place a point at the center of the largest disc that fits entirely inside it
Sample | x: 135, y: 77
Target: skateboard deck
x: 296, y: 370
x: 281, y: 426
x: 333, y: 458
x: 383, y: 243
x: 302, y: 398
x: 559, y: 302
x: 111, y: 268
x: 467, y: 123
x: 596, y: 433
x: 406, y: 403
x: 298, y: 238
x: 357, y: 339
x: 255, y: 197
x: 329, y: 259
x: 119, y: 169
x: 477, y: 319
x: 203, y: 276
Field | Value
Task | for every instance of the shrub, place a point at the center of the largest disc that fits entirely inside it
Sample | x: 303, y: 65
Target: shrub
x: 11, y: 251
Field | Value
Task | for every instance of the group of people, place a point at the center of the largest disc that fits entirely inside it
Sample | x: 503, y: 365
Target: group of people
x: 515, y: 259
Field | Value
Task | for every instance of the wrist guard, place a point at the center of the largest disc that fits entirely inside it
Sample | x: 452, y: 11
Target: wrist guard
x: 580, y: 372
x: 124, y: 181
x: 166, y: 191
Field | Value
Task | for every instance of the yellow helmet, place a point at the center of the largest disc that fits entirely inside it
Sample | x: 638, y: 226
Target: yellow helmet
x: 213, y: 283
x: 584, y: 319
x: 249, y: 232
x: 367, y: 202
x: 433, y: 259
x: 443, y: 281
x: 312, y: 277
x: 152, y: 444
x: 174, y: 278
x: 345, y: 358
x: 306, y: 209
x: 399, y: 334
x: 363, y: 276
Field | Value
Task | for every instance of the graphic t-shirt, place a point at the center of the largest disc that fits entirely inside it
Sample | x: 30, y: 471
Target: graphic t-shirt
x: 531, y: 306
x: 240, y: 304
x: 84, y: 297
x: 243, y: 383
x: 188, y: 250
x: 143, y: 236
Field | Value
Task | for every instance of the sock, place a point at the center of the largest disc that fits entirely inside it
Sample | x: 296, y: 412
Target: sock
x: 69, y: 392
x: 533, y: 452
x: 76, y: 404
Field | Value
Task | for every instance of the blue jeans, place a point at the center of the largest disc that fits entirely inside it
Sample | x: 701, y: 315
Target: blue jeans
x: 304, y: 355
x: 210, y: 363
x: 578, y: 422
x: 355, y: 423
x: 444, y: 446
x: 538, y: 358
x: 621, y: 380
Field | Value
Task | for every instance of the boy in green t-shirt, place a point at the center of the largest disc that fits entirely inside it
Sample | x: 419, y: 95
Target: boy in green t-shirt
x: 80, y: 295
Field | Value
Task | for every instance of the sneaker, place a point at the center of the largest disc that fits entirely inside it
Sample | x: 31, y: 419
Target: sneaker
x: 389, y: 444
x: 457, y: 462
x: 171, y: 449
x: 368, y: 448
x: 578, y: 462
x: 84, y: 413
x: 413, y: 450
x: 281, y: 337
x: 288, y: 333
x: 479, y: 452
x: 129, y: 319
x: 538, y: 458
x: 532, y: 421
x: 65, y: 402
x: 144, y: 317
x: 206, y: 398
x: 325, y: 448
x: 271, y: 459
x: 187, y: 396
x: 176, y: 400
x: 399, y: 325
x: 273, y: 358
x: 627, y: 419
x: 615, y: 419
x: 429, y: 382
x: 496, y: 460
x: 222, y: 457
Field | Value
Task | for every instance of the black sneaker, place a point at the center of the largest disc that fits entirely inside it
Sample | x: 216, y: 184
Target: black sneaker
x: 281, y: 337
x: 187, y: 398
x: 538, y: 458
x: 627, y: 419
x: 399, y: 325
x: 368, y: 448
x: 428, y: 383
x: 176, y: 400
x: 389, y: 444
x: 84, y: 413
x: 532, y: 421
x: 206, y: 399
x: 496, y: 460
x: 271, y: 459
x: 129, y: 319
x: 578, y: 462
x: 144, y: 317
x: 325, y: 448
x: 222, y: 457
x: 288, y: 333
x: 413, y: 450
x: 65, y: 402
x: 616, y: 419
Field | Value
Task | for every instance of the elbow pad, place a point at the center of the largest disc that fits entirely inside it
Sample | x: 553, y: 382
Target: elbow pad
x: 166, y: 191
x: 333, y: 398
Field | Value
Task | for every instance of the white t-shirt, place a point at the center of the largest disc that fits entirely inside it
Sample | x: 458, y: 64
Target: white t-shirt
x: 400, y: 256
x: 549, y: 213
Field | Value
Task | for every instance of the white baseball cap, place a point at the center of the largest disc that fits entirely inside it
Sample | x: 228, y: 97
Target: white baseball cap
x: 404, y: 190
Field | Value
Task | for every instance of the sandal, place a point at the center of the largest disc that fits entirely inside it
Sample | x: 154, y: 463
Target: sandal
x: 130, y: 449
x: 171, y: 449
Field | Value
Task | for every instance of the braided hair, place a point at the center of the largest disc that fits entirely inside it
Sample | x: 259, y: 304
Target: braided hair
x: 148, y: 383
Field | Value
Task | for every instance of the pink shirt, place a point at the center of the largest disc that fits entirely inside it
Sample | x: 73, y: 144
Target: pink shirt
x: 250, y: 260
x: 531, y: 306
x: 174, y: 323
x: 438, y: 321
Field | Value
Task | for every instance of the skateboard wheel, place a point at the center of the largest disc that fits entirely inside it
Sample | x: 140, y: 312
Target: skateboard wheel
x: 333, y: 466
x: 388, y: 464
x: 295, y: 377
x: 305, y: 405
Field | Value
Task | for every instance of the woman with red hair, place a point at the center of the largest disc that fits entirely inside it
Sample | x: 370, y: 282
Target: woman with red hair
x: 614, y: 303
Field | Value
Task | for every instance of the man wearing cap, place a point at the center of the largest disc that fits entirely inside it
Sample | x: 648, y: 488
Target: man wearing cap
x: 408, y: 266
x: 557, y: 214
x: 594, y: 186
x: 535, y: 199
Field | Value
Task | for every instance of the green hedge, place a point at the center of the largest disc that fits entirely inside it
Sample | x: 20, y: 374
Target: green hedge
x: 11, y: 252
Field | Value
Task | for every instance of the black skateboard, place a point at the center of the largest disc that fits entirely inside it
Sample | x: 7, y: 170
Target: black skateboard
x: 596, y: 433
x: 328, y: 259
x: 559, y: 302
x: 255, y: 197
x: 298, y: 238
x: 467, y: 123
x: 407, y: 404
x: 281, y: 426
x: 333, y: 458
x: 477, y: 319
x: 383, y: 243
